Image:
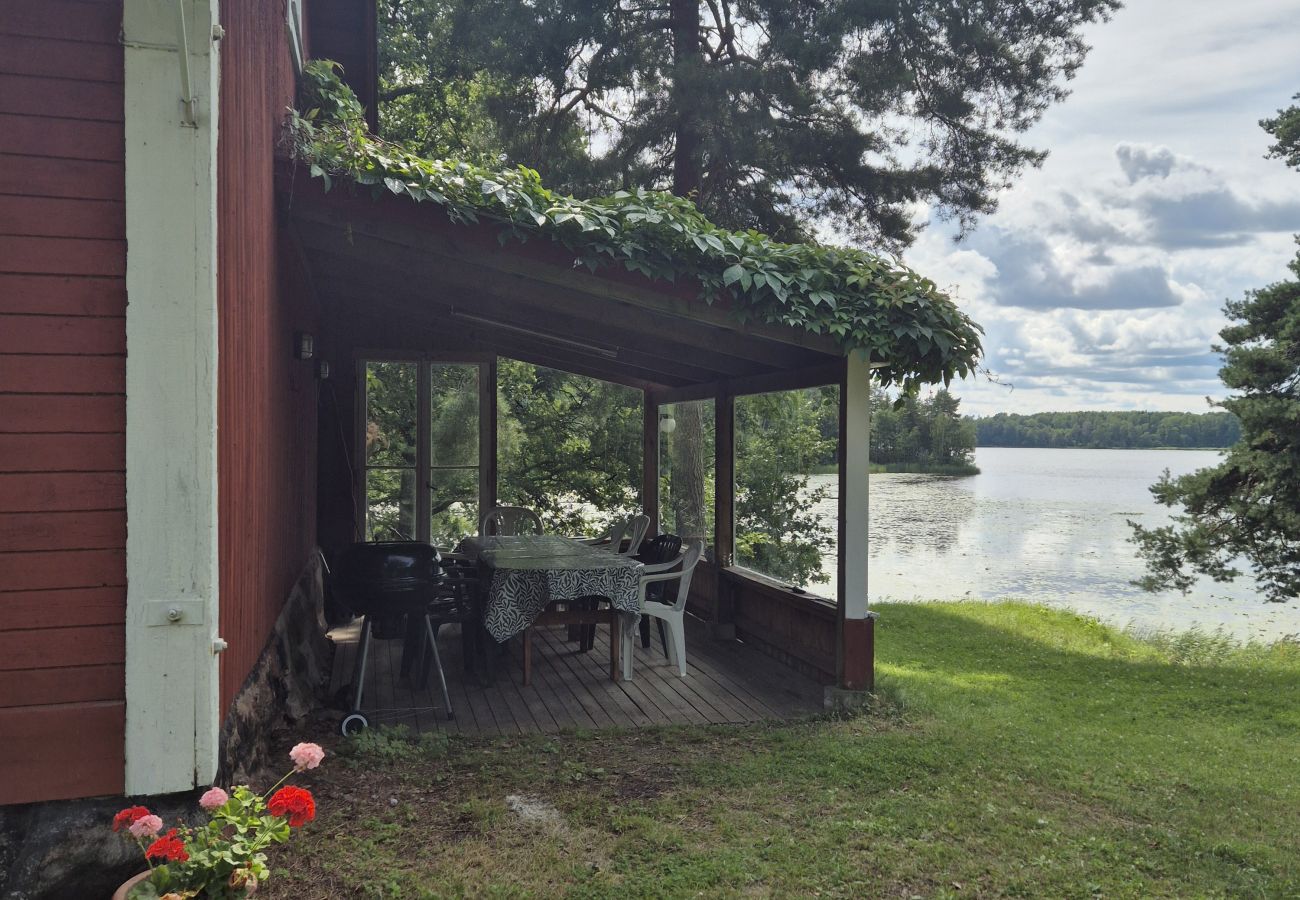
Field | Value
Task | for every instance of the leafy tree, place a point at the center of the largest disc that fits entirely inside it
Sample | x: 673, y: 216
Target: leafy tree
x: 1248, y: 506
x: 569, y: 447
x: 921, y: 435
x: 771, y: 114
x: 779, y: 439
x: 1119, y: 429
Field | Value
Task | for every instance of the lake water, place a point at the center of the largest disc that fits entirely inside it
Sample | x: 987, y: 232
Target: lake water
x: 1047, y: 526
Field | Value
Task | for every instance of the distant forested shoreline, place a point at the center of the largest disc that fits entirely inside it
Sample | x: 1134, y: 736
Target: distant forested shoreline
x: 1108, y: 430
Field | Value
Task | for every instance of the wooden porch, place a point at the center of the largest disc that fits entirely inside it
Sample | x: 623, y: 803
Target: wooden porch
x: 727, y: 682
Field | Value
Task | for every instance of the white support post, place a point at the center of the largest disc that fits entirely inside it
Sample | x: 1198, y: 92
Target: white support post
x: 856, y: 632
x: 171, y: 405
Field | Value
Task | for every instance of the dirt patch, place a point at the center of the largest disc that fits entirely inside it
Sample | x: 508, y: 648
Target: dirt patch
x: 532, y: 811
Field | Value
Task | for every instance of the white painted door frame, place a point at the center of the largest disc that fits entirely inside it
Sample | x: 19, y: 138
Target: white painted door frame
x: 172, y: 685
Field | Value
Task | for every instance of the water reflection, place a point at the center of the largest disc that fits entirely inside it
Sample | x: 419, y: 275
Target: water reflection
x: 1046, y: 525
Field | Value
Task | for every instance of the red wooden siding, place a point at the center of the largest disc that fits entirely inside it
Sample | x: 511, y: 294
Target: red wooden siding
x: 62, y: 403
x: 266, y: 398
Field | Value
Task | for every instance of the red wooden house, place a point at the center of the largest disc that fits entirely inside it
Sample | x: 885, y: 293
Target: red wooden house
x: 146, y: 304
x: 164, y: 479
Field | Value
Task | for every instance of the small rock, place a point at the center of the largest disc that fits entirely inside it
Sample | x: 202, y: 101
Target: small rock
x: 392, y: 801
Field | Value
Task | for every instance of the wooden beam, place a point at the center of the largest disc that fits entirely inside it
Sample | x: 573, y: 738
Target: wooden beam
x: 786, y: 380
x: 724, y: 510
x: 855, y: 647
x: 650, y: 459
x: 487, y: 437
x: 440, y: 330
x: 677, y: 357
x: 376, y: 257
x: 367, y: 230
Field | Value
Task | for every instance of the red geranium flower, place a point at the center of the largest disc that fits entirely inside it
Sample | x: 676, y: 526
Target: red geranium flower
x: 127, y: 817
x: 168, y: 848
x: 295, y: 803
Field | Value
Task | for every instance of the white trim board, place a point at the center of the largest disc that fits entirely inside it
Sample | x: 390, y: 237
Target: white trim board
x: 171, y: 400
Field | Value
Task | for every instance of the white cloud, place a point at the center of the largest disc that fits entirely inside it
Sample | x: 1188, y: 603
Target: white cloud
x: 1100, y: 279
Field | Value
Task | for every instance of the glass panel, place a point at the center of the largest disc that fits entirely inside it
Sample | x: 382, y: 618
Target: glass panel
x: 686, y: 467
x: 390, y: 413
x: 390, y: 504
x: 786, y: 508
x: 568, y: 447
x: 453, y: 419
x: 454, y: 513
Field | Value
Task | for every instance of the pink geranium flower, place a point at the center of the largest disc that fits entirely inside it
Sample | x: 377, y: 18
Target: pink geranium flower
x: 215, y: 798
x: 306, y: 756
x: 146, y: 826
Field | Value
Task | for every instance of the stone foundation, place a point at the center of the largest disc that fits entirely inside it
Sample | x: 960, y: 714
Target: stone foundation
x: 66, y: 848
x: 286, y: 685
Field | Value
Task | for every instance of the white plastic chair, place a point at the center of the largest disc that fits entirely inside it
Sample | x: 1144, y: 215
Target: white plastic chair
x: 634, y: 529
x: 673, y: 615
x: 505, y: 520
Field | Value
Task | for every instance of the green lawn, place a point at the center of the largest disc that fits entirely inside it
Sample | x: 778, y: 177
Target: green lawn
x: 1016, y: 751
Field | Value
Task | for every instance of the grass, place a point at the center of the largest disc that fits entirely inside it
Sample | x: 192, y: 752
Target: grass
x: 1014, y: 751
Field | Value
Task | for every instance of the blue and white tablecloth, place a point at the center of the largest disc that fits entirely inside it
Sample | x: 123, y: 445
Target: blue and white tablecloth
x: 530, y: 572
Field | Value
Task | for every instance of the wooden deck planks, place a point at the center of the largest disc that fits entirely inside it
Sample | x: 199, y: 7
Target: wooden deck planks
x: 726, y: 683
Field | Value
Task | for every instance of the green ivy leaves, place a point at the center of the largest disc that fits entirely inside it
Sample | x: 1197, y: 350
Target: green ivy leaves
x: 912, y: 331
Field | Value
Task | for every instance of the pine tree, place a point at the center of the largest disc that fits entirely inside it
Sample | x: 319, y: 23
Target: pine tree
x: 771, y: 114
x: 1248, y: 506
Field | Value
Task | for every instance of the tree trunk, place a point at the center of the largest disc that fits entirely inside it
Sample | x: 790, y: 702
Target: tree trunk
x: 688, y: 67
x: 690, y: 510
x: 689, y: 466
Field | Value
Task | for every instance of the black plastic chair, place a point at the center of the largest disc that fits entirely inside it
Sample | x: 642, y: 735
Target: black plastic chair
x: 664, y: 548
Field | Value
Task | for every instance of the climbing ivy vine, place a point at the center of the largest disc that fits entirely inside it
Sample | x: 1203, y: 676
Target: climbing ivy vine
x: 911, y: 330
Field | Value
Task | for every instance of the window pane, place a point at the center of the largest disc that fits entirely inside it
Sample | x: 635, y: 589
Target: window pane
x: 453, y: 419
x: 686, y: 466
x: 390, y: 504
x: 568, y: 447
x: 786, y: 451
x: 390, y: 413
x: 454, y: 513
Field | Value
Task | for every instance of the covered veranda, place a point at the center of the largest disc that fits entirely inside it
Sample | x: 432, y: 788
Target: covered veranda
x: 396, y: 280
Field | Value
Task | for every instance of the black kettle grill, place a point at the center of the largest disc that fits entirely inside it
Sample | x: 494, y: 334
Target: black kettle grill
x: 391, y: 584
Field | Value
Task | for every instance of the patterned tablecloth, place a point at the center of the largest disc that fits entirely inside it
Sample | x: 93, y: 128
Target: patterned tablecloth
x: 529, y: 572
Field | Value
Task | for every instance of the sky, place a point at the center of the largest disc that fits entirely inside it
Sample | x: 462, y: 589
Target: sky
x: 1101, y: 278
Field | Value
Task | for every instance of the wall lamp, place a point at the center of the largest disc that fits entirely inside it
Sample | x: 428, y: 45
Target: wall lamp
x: 304, y: 345
x: 667, y: 424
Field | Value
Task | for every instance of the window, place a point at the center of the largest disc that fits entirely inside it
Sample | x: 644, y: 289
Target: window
x: 453, y: 452
x: 421, y: 450
x: 686, y: 469
x: 390, y: 450
x: 786, y: 485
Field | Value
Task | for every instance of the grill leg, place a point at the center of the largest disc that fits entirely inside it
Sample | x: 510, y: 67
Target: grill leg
x: 359, y: 668
x: 437, y: 664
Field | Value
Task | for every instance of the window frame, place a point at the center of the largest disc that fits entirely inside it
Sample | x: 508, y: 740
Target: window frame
x: 486, y: 468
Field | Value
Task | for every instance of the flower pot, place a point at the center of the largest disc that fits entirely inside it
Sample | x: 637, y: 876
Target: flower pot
x: 121, y: 892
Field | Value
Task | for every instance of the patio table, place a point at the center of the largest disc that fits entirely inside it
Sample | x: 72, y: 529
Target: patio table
x: 530, y: 572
